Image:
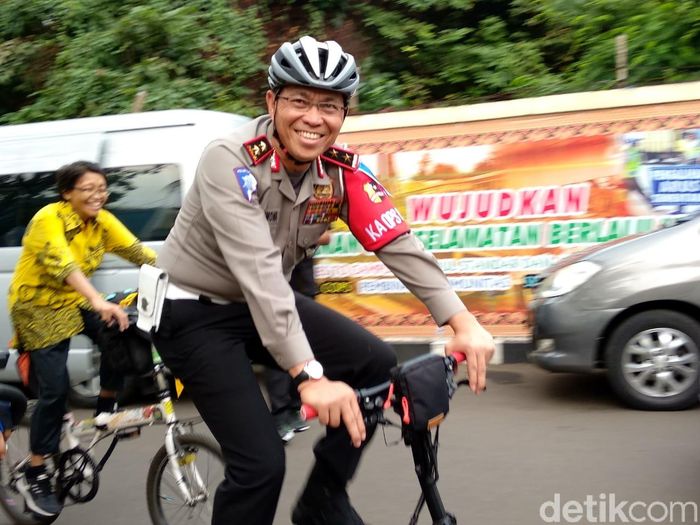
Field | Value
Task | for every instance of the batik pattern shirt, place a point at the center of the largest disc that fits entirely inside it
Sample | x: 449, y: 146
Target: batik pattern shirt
x: 44, y: 309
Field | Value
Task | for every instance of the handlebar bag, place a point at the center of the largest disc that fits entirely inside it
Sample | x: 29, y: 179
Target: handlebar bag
x: 422, y: 391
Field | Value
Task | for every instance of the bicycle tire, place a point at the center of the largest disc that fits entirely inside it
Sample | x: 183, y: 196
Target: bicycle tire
x: 11, y: 499
x: 166, y: 506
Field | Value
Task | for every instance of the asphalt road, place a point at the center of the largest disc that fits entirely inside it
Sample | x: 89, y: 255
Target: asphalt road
x: 504, y: 457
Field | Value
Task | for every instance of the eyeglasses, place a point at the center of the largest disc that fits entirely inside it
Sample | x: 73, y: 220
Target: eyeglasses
x: 92, y: 190
x: 325, y: 108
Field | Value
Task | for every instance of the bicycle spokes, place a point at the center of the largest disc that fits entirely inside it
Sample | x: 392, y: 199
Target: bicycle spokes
x: 78, y: 476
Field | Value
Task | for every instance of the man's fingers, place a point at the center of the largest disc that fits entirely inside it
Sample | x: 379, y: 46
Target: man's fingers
x: 352, y: 418
x: 322, y: 415
x: 472, y: 371
x: 481, y: 367
x: 335, y: 416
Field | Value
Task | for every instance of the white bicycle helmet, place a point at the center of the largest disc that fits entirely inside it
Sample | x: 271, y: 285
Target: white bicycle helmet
x: 309, y: 62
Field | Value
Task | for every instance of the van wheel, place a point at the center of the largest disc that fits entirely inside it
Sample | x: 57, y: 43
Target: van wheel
x: 84, y: 395
x: 653, y: 359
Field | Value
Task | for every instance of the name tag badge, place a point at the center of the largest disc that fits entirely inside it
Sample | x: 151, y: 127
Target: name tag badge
x: 321, y: 211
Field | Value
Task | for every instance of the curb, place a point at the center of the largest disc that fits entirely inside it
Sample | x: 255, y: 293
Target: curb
x: 508, y: 349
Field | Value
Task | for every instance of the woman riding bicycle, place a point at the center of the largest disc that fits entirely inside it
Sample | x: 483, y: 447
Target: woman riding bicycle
x: 51, y: 300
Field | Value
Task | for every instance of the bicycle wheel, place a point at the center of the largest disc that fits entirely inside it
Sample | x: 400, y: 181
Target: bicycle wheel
x: 11, y: 469
x: 200, y: 458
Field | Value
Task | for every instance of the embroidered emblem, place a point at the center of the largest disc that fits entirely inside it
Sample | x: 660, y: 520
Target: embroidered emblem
x: 341, y: 157
x: 321, y: 211
x: 272, y: 216
x: 247, y: 182
x: 323, y: 191
x: 374, y: 191
x: 258, y: 149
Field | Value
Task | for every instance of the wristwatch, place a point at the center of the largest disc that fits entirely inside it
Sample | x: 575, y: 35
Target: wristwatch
x: 312, y: 370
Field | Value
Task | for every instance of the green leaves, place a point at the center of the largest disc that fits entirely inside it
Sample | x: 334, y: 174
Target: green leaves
x: 100, y: 54
x: 69, y: 58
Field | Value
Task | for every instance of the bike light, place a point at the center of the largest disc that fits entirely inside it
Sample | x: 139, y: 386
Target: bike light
x: 567, y: 279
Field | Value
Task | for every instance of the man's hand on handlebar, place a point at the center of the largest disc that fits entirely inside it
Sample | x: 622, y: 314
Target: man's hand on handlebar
x: 335, y: 403
x: 476, y: 343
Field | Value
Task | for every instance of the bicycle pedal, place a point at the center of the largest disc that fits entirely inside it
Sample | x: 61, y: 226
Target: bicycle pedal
x: 128, y: 433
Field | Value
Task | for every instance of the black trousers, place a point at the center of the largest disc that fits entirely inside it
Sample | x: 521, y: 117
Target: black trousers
x: 49, y: 374
x: 210, y: 348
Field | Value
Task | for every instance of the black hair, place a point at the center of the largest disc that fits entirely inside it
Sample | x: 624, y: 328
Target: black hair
x: 67, y: 175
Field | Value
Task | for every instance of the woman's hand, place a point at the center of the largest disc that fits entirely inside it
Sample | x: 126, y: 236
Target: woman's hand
x: 110, y: 313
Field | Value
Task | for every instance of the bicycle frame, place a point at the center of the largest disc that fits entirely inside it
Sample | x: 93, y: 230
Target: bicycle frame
x: 373, y: 401
x: 124, y: 424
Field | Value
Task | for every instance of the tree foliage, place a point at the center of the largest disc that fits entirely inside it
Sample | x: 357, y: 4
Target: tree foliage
x: 71, y: 58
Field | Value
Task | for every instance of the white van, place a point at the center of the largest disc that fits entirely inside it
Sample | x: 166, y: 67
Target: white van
x: 150, y: 159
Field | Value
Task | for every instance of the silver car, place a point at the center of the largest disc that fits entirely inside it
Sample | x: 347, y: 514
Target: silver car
x: 631, y: 308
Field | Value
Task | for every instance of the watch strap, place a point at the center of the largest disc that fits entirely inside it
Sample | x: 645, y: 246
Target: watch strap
x: 300, y: 378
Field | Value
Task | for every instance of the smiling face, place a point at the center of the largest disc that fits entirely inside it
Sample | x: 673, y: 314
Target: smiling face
x: 88, y: 196
x: 307, y: 121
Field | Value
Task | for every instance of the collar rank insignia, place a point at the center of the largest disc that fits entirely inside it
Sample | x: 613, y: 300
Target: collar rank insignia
x: 258, y: 149
x: 344, y: 158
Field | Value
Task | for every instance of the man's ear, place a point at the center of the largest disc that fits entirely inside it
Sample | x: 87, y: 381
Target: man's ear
x: 270, y: 100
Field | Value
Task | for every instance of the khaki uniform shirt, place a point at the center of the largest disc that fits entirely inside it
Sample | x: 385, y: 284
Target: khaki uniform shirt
x: 241, y: 242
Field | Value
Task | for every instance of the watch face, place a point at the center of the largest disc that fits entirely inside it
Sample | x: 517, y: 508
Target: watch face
x: 314, y: 369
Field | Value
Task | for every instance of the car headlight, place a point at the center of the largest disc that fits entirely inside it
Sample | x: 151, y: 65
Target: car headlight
x: 567, y: 279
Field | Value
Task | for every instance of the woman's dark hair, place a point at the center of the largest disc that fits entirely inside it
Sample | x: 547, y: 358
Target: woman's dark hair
x: 67, y: 175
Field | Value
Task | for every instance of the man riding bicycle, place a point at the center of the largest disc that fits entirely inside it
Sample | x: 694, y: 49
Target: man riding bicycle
x: 261, y: 199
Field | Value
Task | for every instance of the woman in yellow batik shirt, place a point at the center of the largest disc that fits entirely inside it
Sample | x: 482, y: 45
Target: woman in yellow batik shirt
x: 51, y: 300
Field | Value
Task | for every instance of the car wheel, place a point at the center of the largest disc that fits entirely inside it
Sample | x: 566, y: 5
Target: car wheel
x: 84, y: 394
x: 652, y: 360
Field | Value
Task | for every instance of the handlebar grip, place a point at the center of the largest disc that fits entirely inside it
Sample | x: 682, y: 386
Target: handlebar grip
x: 459, y: 356
x: 307, y: 412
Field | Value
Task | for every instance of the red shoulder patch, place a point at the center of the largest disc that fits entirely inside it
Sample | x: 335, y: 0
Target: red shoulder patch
x: 372, y: 217
x: 258, y: 149
x: 344, y: 158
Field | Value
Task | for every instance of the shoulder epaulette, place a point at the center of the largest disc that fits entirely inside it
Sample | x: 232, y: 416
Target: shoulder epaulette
x: 258, y: 149
x: 344, y: 158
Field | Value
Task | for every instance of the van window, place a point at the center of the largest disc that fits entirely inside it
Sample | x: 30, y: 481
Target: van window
x: 145, y: 198
x: 21, y: 196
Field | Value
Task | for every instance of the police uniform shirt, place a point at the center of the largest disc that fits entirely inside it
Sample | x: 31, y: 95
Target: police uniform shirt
x: 242, y: 228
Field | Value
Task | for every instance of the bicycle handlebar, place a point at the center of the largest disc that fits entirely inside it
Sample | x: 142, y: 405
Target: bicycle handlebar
x: 307, y: 412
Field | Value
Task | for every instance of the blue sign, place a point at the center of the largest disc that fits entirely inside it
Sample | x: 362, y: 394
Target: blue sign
x: 674, y: 185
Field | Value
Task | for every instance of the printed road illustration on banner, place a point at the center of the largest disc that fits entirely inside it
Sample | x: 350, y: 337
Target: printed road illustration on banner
x: 496, y: 216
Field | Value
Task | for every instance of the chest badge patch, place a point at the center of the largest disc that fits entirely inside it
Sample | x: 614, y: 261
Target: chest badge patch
x: 323, y: 191
x: 247, y: 182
